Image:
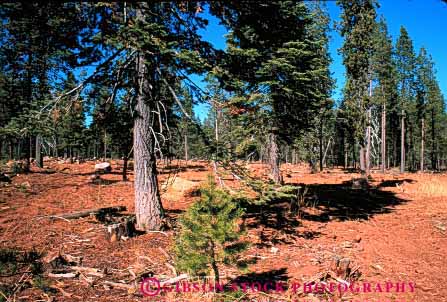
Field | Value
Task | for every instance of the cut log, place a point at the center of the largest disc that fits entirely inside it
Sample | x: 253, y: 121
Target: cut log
x: 103, y: 168
x: 97, y: 212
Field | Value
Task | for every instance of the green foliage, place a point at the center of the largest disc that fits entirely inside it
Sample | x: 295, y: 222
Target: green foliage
x: 285, y: 193
x: 357, y: 27
x: 209, y: 233
x: 277, y: 66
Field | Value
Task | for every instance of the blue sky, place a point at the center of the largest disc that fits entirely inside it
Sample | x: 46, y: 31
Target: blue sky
x: 425, y: 21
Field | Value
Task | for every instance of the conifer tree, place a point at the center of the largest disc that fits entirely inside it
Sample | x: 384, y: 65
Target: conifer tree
x: 357, y: 28
x: 386, y: 87
x: 274, y: 64
x: 209, y: 233
x: 405, y: 67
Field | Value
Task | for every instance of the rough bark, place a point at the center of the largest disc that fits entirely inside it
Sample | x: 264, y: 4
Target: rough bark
x: 362, y: 153
x: 274, y: 157
x: 148, y: 207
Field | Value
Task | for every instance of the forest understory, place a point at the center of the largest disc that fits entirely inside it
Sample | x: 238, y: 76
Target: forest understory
x: 392, y: 231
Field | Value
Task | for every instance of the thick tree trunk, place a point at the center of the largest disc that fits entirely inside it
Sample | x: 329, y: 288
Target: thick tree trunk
x: 402, y: 143
x: 274, y: 157
x: 422, y: 144
x: 383, y: 146
x: 148, y: 207
x: 362, y: 157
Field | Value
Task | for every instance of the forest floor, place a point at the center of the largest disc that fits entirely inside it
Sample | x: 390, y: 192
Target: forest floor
x: 394, y: 232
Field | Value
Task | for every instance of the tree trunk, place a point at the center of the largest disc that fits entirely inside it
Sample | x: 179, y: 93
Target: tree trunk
x: 213, y: 262
x: 148, y: 207
x: 11, y: 150
x: 394, y: 149
x: 186, y: 147
x: 320, y: 138
x: 402, y: 143
x: 26, y: 167
x: 433, y: 140
x: 368, y: 136
x: 274, y: 157
x: 125, y: 160
x: 368, y: 145
x: 362, y: 158
x: 105, y: 145
x: 345, y: 146
x: 383, y: 146
x: 422, y: 143
x: 39, y: 157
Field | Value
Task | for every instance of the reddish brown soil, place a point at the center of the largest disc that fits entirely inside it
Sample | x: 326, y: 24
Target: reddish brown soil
x: 394, y: 232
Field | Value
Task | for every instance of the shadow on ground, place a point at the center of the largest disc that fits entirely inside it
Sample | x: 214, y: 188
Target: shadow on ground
x: 324, y: 203
x: 272, y: 276
x: 342, y: 202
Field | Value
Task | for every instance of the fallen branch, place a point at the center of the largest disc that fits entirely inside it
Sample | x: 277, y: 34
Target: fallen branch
x: 66, y: 275
x: 88, y: 270
x: 86, y: 213
x: 118, y: 285
x: 174, y: 280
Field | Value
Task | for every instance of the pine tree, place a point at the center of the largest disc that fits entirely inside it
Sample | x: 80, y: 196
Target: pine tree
x: 39, y: 45
x: 274, y: 64
x: 386, y: 88
x: 405, y: 66
x: 165, y: 40
x: 209, y: 233
x: 357, y: 27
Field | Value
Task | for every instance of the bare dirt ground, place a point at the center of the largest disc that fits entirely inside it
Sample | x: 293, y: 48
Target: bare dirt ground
x: 393, y: 232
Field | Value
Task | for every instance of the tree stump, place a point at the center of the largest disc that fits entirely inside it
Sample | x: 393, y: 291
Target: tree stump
x: 122, y: 230
x: 340, y: 266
